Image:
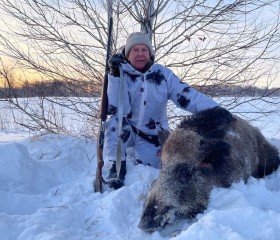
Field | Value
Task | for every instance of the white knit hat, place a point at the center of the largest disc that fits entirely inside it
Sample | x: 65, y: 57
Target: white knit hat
x: 138, y: 38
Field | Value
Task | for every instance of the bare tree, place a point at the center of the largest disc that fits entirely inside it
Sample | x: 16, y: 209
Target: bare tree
x: 212, y: 45
x: 62, y: 41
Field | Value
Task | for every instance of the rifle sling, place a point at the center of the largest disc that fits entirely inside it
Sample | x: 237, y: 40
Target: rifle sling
x: 120, y: 120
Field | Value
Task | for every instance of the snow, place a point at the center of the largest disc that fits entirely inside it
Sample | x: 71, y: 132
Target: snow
x: 46, y: 194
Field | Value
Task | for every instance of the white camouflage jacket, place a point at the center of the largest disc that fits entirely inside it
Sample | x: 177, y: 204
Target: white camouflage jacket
x: 146, y: 96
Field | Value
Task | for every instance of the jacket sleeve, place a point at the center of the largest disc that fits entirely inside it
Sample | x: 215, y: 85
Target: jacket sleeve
x: 186, y: 97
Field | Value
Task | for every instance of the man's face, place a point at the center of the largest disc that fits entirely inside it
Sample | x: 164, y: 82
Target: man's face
x: 139, y: 56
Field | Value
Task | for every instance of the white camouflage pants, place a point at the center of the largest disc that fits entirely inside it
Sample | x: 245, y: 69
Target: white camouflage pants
x: 144, y: 152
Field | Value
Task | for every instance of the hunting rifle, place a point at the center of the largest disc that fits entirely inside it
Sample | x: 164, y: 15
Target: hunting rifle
x: 103, y: 116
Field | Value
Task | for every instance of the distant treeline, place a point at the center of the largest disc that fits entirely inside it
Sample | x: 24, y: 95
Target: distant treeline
x: 233, y: 90
x: 91, y: 89
x: 52, y: 89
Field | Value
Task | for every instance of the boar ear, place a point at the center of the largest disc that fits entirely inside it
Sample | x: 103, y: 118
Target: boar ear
x: 162, y: 136
x: 206, y: 168
x: 214, y: 153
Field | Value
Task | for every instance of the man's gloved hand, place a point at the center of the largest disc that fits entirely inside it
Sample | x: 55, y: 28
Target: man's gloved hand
x: 114, y: 62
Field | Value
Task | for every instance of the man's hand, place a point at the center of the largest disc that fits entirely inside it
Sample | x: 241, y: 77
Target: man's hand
x: 114, y: 62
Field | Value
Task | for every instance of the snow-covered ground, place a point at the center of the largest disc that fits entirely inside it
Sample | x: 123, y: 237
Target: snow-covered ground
x: 46, y: 194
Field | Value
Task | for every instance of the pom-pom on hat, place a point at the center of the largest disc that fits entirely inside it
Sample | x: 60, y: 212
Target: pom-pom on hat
x: 138, y: 38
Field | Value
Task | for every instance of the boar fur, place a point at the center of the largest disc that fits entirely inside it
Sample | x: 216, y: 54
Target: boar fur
x: 211, y: 149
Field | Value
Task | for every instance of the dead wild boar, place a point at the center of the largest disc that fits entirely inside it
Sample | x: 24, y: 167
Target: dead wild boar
x: 211, y: 149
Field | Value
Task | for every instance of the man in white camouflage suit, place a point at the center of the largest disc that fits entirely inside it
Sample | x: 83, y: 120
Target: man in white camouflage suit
x: 147, y: 88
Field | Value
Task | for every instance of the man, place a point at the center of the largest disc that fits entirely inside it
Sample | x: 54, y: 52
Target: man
x: 147, y: 88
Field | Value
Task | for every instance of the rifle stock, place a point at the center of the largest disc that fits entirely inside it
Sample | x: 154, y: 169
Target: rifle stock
x: 103, y: 116
x: 100, y: 162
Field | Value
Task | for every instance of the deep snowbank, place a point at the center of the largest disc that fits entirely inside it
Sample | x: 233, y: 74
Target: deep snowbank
x: 46, y: 193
